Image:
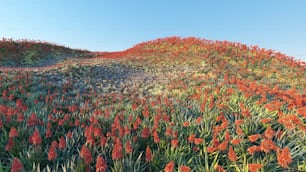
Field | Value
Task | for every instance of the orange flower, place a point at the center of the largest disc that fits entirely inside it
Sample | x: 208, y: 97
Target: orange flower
x: 198, y: 141
x: 267, y: 145
x: 198, y: 120
x: 13, y: 132
x: 253, y: 149
x: 35, y: 139
x: 236, y: 141
x: 254, y: 137
x: 231, y: 154
x: 191, y: 138
x: 174, y: 143
x: 266, y: 120
x: 186, y: 124
x: 239, y: 122
x: 86, y: 155
x: 16, y: 165
x: 239, y: 131
x: 269, y: 133
x: 184, y: 168
x: 156, y: 137
x: 149, y: 155
x: 169, y: 167
x: 168, y: 131
x: 101, y: 164
x: 284, y: 157
x: 223, y: 146
x: 211, y: 149
x: 254, y: 167
x: 52, y: 155
x: 302, y: 111
x: 227, y: 135
x: 219, y: 168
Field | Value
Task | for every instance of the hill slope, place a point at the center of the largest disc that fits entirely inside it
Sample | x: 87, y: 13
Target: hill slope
x: 167, y: 104
x: 34, y: 53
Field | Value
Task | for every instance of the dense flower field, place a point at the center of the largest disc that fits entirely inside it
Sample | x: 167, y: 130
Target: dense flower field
x: 170, y: 104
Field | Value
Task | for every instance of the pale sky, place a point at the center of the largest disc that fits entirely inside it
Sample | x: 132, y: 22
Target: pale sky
x: 111, y: 25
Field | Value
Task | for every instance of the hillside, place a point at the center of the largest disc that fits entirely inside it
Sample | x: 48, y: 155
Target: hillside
x: 171, y: 104
x: 18, y: 53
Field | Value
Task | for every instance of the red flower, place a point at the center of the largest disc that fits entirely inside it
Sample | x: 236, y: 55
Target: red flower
x: 86, y: 155
x: 54, y: 144
x: 128, y: 147
x: 35, y: 139
x: 184, y: 168
x: 16, y: 165
x: 169, y: 167
x: 191, y: 138
x: 284, y: 157
x: 117, y: 151
x: 149, y: 155
x: 20, y: 118
x: 231, y: 154
x: 52, y: 155
x: 48, y: 133
x: 62, y: 143
x: 9, y: 144
x: 33, y: 120
x: 13, y: 132
x: 101, y: 164
x: 254, y: 167
x: 69, y: 135
x: 103, y: 141
x: 145, y: 132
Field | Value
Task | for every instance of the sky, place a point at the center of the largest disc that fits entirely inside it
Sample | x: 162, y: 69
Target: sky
x: 112, y: 25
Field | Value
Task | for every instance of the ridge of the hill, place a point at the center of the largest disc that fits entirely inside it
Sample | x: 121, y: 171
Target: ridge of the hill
x: 226, y: 58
